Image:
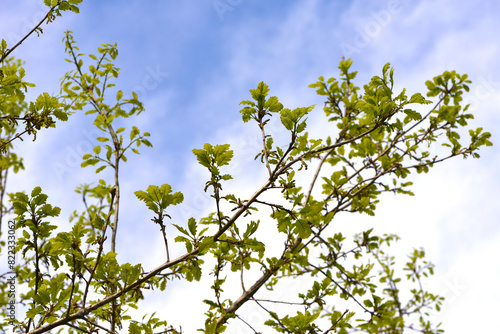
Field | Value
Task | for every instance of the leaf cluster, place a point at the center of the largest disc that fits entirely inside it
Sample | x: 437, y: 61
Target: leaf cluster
x: 374, y: 138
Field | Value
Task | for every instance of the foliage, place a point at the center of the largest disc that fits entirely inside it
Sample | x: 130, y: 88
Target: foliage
x: 378, y: 138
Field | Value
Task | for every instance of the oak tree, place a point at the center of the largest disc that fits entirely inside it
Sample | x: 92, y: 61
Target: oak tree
x: 71, y: 280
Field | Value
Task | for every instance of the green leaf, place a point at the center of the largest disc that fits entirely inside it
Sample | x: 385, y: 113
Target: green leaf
x: 203, y: 157
x: 206, y: 243
x: 222, y: 154
x: 302, y: 228
x: 192, y: 226
x: 109, y: 152
x: 36, y: 191
x: 134, y: 132
x: 158, y: 199
x: 60, y: 115
x: 213, y: 156
x: 259, y: 94
x: 286, y: 119
x: 181, y: 229
x: 100, y: 169
x: 129, y: 274
x: 134, y: 328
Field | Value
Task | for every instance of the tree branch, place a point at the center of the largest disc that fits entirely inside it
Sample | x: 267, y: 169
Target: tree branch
x: 32, y: 31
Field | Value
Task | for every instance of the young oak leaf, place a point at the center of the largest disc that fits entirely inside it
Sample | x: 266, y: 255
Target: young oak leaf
x: 158, y: 199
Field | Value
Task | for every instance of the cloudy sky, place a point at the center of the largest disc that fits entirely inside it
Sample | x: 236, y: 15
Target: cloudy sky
x: 192, y: 62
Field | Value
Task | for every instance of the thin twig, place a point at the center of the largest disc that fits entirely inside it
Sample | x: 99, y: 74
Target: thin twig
x: 101, y: 246
x: 97, y: 325
x: 343, y: 289
x: 266, y: 152
x: 334, y: 326
x: 78, y: 328
x: 162, y: 227
x: 25, y: 37
x: 246, y: 323
x: 276, y: 301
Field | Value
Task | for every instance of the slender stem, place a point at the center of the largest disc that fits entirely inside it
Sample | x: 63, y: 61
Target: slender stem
x: 78, y: 328
x: 113, y: 314
x: 217, y: 202
x: 19, y: 135
x: 343, y: 289
x: 3, y: 179
x: 97, y: 325
x: 264, y: 148
x: 246, y: 323
x: 37, y: 262
x: 25, y: 37
x: 101, y: 246
x: 162, y: 227
x: 114, y: 229
x: 334, y: 326
x: 316, y: 175
x: 276, y: 301
x: 242, y: 269
x: 72, y: 285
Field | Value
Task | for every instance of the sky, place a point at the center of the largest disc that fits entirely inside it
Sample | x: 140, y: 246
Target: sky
x: 192, y: 62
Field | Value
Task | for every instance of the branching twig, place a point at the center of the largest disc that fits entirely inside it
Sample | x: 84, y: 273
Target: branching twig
x: 101, y: 247
x: 343, y: 290
x: 334, y: 326
x: 25, y: 37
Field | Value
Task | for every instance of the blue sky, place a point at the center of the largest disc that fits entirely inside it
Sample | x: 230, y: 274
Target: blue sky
x: 192, y: 62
